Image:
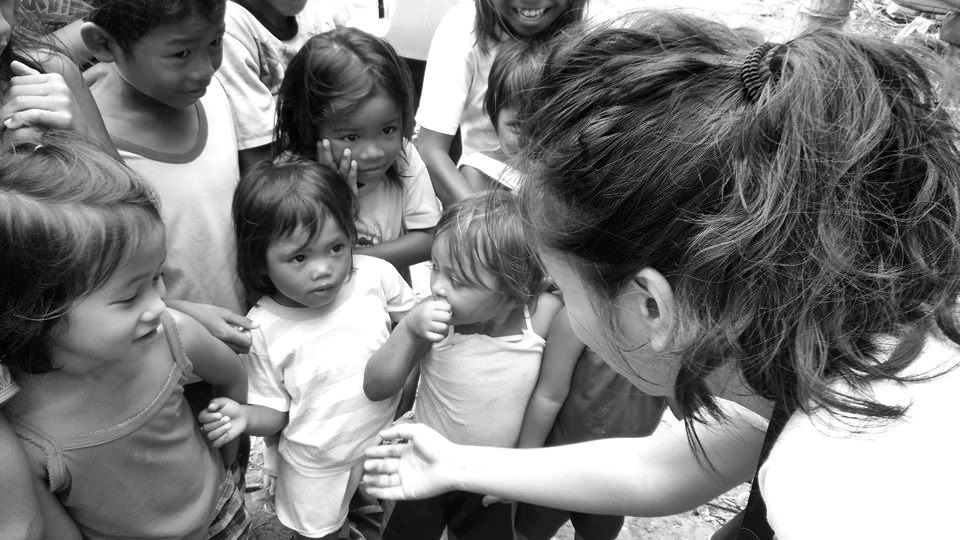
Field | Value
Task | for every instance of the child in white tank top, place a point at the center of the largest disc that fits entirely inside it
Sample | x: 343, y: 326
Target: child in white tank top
x: 478, y: 341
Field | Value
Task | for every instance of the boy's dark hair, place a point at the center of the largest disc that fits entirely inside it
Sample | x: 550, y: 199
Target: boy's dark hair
x: 274, y: 200
x: 330, y: 77
x: 490, y: 28
x: 70, y: 215
x: 795, y: 228
x: 127, y: 21
x: 513, y: 74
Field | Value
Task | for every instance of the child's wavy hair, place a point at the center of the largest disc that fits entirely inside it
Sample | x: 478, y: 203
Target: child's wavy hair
x: 274, y: 200
x: 127, y: 21
x: 70, y: 216
x: 485, y: 232
x: 332, y: 75
x: 512, y: 75
x: 491, y: 29
x: 797, y: 218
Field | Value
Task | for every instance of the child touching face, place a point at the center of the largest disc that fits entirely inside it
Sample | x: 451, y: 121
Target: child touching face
x: 322, y: 311
x: 479, y: 341
x: 100, y: 361
x: 347, y: 101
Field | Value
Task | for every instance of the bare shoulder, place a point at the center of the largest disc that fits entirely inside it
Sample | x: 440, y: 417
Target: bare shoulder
x: 192, y: 334
x: 548, y: 305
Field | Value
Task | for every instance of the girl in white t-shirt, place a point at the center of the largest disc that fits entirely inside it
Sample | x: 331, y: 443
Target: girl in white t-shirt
x: 323, y: 311
x: 347, y: 100
x: 455, y: 82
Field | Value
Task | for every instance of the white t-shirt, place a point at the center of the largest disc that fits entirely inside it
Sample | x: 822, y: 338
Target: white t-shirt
x: 254, y: 61
x: 455, y: 82
x: 195, y: 190
x: 388, y: 211
x: 494, y: 169
x: 894, y: 481
x: 310, y: 362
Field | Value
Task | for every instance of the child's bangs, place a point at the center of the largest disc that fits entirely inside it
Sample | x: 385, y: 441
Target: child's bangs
x: 300, y: 214
x: 353, y: 84
x: 468, y: 252
x: 103, y: 240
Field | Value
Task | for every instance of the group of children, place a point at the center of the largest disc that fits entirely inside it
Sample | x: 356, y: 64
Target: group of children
x: 271, y: 171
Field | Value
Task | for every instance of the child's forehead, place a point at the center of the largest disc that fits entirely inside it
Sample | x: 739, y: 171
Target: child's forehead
x: 307, y: 234
x: 190, y: 29
x: 372, y: 109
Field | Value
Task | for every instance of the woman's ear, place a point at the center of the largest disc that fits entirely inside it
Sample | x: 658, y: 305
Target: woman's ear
x: 99, y: 42
x: 656, y: 305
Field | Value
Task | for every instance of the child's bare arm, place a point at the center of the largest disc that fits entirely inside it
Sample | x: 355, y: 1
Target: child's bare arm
x: 427, y: 323
x: 249, y: 157
x: 231, y: 328
x: 560, y: 356
x: 448, y: 182
x: 57, y: 524
x: 411, y: 248
x: 476, y: 179
x: 215, y: 363
x: 28, y: 511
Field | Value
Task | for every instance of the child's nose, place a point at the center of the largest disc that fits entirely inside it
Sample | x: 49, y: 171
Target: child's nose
x: 204, y: 68
x: 369, y: 150
x: 155, y: 308
x: 321, y: 270
x: 438, y: 286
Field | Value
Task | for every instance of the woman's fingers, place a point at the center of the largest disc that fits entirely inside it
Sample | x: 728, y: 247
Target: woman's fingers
x: 20, y: 69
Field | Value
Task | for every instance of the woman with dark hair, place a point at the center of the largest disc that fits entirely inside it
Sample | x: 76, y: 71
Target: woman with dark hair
x: 773, y: 225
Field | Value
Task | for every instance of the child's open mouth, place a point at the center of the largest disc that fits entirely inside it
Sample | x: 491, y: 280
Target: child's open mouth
x: 530, y: 15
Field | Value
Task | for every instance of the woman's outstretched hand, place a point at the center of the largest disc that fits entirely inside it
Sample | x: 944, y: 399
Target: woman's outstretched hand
x: 414, y: 462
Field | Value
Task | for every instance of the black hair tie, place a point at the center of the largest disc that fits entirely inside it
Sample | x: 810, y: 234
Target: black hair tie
x: 756, y: 69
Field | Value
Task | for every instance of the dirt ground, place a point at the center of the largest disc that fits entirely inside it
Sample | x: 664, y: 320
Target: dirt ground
x: 775, y: 20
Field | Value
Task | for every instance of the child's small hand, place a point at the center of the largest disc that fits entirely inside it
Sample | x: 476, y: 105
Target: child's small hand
x: 231, y: 328
x: 223, y: 421
x: 347, y: 166
x: 38, y: 99
x: 270, y: 483
x: 430, y: 319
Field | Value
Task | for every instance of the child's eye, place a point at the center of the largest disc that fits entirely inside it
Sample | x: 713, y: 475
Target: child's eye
x: 217, y: 42
x: 390, y: 130
x: 298, y: 258
x: 182, y: 54
x: 337, y: 248
x: 128, y: 301
x: 350, y: 138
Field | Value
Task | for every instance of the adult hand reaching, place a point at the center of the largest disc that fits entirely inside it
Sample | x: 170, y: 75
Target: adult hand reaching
x: 414, y: 463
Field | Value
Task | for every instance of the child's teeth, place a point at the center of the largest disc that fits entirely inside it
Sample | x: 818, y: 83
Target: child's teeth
x: 531, y: 13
